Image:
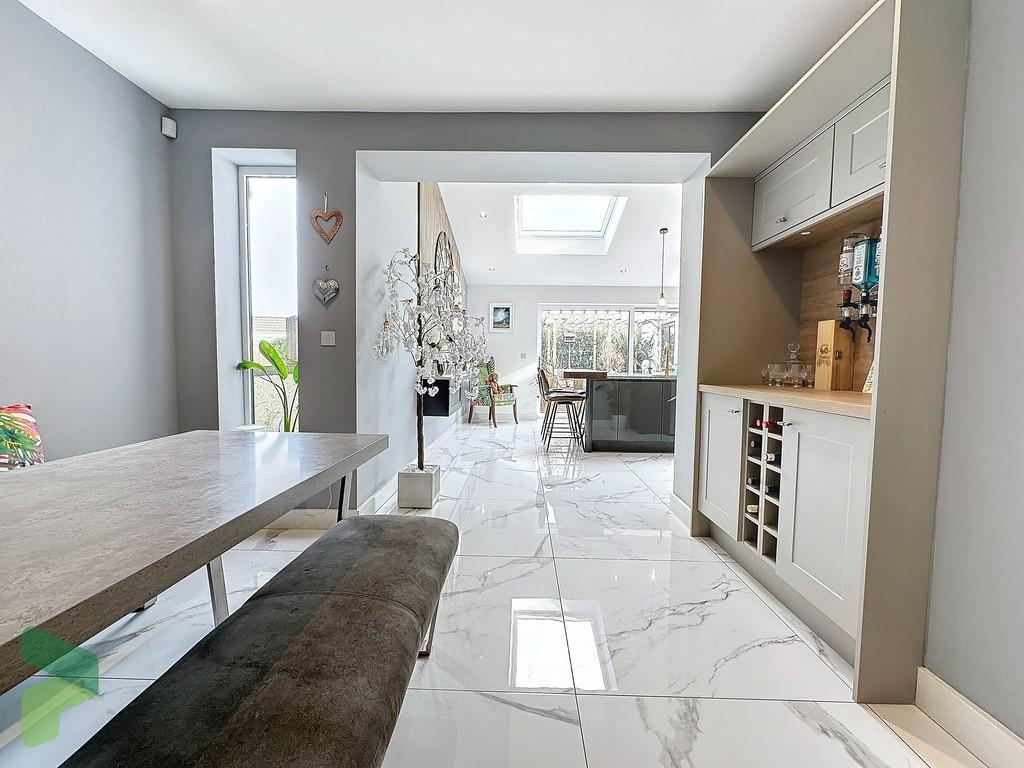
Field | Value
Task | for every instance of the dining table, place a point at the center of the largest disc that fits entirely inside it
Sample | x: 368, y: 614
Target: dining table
x: 86, y: 540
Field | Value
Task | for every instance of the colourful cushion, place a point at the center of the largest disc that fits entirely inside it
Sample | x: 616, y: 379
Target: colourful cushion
x: 20, y: 443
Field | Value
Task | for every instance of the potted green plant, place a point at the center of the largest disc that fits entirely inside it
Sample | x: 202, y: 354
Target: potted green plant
x: 277, y: 373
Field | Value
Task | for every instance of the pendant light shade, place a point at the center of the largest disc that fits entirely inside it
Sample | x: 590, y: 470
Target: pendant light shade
x: 662, y: 301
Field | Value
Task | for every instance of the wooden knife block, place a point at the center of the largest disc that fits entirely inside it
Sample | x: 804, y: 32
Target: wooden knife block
x: 833, y: 357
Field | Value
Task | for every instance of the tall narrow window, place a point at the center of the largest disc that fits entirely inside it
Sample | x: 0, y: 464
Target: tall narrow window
x: 269, y: 282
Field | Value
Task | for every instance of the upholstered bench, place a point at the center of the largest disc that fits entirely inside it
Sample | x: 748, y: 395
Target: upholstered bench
x: 311, y: 671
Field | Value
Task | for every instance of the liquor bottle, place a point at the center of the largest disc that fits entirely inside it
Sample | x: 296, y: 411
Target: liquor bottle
x: 772, y: 490
x: 770, y: 457
x: 846, y: 258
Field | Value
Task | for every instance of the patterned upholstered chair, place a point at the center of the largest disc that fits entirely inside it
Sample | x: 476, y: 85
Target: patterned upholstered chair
x: 491, y: 394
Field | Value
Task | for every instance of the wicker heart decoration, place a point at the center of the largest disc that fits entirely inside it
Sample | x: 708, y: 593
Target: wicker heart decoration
x: 326, y: 217
x: 326, y: 290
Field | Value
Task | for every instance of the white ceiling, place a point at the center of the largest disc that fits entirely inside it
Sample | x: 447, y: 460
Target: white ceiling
x: 490, y: 242
x: 458, y: 55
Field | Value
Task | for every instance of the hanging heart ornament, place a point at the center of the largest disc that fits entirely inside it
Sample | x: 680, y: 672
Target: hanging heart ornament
x: 326, y: 290
x: 316, y: 217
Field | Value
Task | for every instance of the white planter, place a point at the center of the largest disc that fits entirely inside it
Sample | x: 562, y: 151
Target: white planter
x: 419, y: 490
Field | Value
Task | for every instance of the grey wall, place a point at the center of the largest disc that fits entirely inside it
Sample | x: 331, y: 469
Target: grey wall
x: 976, y: 616
x: 86, y: 330
x: 326, y: 145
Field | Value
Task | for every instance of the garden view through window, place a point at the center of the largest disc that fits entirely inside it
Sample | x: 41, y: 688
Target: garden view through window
x: 270, y: 296
x: 627, y: 340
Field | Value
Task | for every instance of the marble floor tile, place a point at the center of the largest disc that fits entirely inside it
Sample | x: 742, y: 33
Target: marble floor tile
x: 479, y: 482
x: 935, y: 746
x: 825, y: 652
x: 658, y: 480
x: 77, y: 724
x: 651, y: 628
x: 600, y: 486
x: 622, y: 530
x: 504, y: 528
x: 281, y: 539
x: 470, y: 729
x: 499, y: 628
x: 709, y: 733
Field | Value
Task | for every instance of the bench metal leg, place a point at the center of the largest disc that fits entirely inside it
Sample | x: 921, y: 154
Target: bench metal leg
x: 344, y: 495
x: 218, y: 592
x: 428, y: 642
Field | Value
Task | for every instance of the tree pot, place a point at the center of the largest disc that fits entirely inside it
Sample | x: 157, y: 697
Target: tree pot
x: 419, y: 489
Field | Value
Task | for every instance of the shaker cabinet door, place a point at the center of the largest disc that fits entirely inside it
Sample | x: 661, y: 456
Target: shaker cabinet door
x: 860, y: 154
x: 721, y: 461
x: 823, y: 511
x: 795, y: 191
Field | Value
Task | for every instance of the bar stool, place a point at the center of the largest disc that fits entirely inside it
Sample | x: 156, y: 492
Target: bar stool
x: 572, y: 401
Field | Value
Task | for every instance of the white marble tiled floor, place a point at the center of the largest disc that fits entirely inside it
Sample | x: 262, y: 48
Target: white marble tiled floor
x: 580, y: 627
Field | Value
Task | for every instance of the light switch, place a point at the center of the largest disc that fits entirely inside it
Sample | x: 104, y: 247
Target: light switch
x: 326, y: 338
x: 522, y: 355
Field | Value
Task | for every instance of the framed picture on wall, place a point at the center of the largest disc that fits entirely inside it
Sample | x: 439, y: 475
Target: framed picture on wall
x: 502, y: 317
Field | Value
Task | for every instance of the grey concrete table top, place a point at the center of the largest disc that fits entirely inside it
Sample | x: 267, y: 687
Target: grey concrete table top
x: 86, y: 540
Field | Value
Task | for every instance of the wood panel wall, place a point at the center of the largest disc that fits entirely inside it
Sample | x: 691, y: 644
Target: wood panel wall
x: 820, y: 293
x: 433, y: 219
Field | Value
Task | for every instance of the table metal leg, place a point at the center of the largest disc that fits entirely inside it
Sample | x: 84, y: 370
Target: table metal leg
x: 218, y: 592
x: 344, y: 495
x: 148, y: 604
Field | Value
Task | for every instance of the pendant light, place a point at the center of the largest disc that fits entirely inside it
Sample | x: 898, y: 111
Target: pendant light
x: 662, y: 301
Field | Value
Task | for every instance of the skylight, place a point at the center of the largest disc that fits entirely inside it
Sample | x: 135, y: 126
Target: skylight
x: 557, y: 224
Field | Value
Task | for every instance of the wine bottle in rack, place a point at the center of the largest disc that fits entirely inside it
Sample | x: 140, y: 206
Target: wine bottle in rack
x: 771, y: 490
x: 755, y: 481
x: 770, y: 457
x: 769, y: 424
x: 755, y: 443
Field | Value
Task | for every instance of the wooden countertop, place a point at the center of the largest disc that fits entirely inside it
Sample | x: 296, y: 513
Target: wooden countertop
x: 855, y: 404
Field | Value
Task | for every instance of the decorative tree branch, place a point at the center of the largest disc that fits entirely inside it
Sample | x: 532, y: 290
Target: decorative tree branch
x: 425, y: 318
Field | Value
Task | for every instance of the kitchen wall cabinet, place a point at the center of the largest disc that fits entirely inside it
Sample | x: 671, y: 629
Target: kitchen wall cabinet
x: 823, y: 508
x: 858, y: 162
x: 796, y: 190
x: 721, y: 461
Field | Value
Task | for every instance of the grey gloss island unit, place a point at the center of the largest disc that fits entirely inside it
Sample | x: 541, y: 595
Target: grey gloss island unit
x: 631, y: 413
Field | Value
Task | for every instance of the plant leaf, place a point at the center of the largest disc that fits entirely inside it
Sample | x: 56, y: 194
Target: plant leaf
x: 249, y: 365
x: 268, y: 351
x: 295, y: 373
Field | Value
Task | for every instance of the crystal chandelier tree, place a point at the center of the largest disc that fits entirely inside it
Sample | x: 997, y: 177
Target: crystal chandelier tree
x: 425, y: 318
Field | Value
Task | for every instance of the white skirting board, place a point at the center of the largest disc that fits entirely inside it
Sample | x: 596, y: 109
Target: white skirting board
x: 988, y: 739
x: 681, y: 509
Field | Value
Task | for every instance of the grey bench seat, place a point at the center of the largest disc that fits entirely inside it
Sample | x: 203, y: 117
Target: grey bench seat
x: 311, y: 671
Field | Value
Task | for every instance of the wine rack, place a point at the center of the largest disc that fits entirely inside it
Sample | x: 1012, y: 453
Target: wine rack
x: 762, y: 479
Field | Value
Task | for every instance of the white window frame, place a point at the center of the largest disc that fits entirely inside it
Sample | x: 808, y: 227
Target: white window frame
x: 577, y: 242
x: 632, y: 309
x: 245, y: 172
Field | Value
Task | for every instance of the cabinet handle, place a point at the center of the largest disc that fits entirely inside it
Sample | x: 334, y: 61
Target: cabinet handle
x: 734, y: 410
x: 785, y: 423
x: 782, y: 219
x: 671, y: 398
x: 881, y: 165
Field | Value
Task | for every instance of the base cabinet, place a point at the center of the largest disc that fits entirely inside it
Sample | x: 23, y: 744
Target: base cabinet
x: 721, y: 461
x: 823, y: 511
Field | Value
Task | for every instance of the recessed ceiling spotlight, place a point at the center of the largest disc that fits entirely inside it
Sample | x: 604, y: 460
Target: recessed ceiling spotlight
x: 490, y: 269
x: 482, y: 214
x: 622, y: 270
x: 806, y: 232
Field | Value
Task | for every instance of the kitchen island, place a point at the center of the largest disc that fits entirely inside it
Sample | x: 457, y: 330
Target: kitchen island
x: 631, y: 413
